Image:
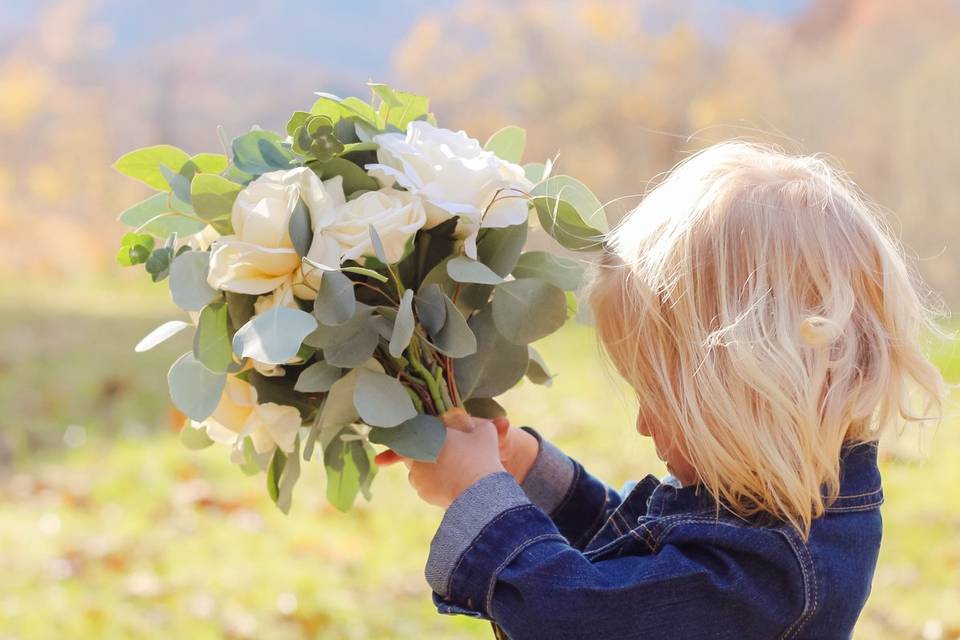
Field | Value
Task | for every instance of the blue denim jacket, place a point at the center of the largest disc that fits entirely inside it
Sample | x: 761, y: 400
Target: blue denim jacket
x: 566, y: 556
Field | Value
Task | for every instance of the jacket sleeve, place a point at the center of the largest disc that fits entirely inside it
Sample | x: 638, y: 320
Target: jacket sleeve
x: 577, y: 502
x: 516, y: 569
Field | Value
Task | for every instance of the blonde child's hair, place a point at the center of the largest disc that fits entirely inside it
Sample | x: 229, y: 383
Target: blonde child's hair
x: 765, y: 318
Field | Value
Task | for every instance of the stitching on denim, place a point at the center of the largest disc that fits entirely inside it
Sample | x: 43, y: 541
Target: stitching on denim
x: 858, y: 507
x: 488, y: 601
x: 861, y: 495
x: 809, y: 581
x: 476, y: 538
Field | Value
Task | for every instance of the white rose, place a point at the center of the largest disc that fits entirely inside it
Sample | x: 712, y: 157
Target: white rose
x: 455, y: 176
x: 281, y: 297
x: 259, y: 256
x: 238, y: 415
x: 396, y: 215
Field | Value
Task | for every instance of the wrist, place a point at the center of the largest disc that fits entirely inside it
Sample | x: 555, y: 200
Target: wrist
x: 523, y: 447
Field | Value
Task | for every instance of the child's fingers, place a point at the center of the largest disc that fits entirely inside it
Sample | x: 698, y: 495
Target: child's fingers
x: 386, y: 458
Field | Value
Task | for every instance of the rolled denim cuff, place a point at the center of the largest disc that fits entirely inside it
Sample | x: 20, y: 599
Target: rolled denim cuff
x: 550, y: 477
x: 466, y: 516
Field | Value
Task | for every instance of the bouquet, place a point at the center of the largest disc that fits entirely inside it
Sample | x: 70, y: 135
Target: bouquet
x: 351, y: 280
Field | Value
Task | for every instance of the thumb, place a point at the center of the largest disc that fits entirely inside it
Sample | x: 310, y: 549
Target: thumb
x: 503, y: 425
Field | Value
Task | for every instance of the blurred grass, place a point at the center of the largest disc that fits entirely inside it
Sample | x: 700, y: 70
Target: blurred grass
x: 112, y: 530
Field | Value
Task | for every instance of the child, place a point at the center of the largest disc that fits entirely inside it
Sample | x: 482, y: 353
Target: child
x: 771, y: 330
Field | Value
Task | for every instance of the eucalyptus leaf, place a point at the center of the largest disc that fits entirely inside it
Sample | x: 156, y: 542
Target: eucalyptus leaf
x: 274, y: 336
x: 354, y: 176
x: 188, y: 280
x: 241, y: 307
x: 463, y: 269
x: 259, y: 152
x: 363, y: 271
x: 162, y: 333
x: 563, y: 273
x: 528, y: 309
x: 179, y: 184
x: 301, y: 232
x: 497, y: 364
x: 212, y: 196
x: 194, y: 438
x: 500, y: 248
x: 144, y: 164
x: 377, y: 244
x: 455, y: 338
x: 403, y: 326
x: 431, y: 308
x: 354, y: 350
x: 484, y: 408
x: 561, y: 220
x: 344, y: 461
x: 288, y: 479
x: 211, y: 342
x: 317, y: 378
x: 421, y: 437
x: 155, y: 216
x: 569, y: 189
x: 158, y: 264
x: 381, y: 400
x: 537, y: 371
x: 277, y: 462
x: 508, y: 143
x: 194, y: 389
x: 336, y: 302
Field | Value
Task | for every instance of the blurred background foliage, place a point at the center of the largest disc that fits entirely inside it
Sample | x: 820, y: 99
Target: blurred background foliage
x: 110, y: 529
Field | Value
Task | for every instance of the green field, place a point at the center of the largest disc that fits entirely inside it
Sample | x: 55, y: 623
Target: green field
x: 110, y: 529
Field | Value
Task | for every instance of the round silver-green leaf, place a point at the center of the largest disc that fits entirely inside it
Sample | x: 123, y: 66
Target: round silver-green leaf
x: 188, y: 280
x: 274, y: 336
x: 381, y: 400
x: 528, y: 309
x: 194, y: 389
x: 403, y: 325
x: 421, y: 437
x: 463, y: 269
x: 560, y: 272
x: 317, y: 378
x: 336, y: 302
x: 497, y: 364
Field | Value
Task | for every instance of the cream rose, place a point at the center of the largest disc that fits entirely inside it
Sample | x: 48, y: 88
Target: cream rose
x: 259, y: 256
x: 455, y: 176
x: 396, y: 215
x: 238, y: 415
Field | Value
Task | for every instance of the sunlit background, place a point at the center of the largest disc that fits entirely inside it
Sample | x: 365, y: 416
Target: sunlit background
x: 110, y: 529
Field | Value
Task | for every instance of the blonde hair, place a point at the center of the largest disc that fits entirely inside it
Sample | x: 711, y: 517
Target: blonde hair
x: 765, y: 318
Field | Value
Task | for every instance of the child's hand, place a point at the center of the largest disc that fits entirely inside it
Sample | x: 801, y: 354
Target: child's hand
x: 517, y: 448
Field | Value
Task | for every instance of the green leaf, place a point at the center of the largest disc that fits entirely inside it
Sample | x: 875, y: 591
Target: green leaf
x: 421, y: 437
x: 211, y: 342
x: 335, y: 303
x: 571, y: 190
x: 134, y: 249
x: 209, y: 163
x: 212, y: 196
x: 455, y: 338
x: 356, y: 349
x: 158, y: 264
x: 274, y: 471
x: 194, y: 438
x: 363, y: 271
x: 317, y: 378
x: 298, y: 119
x: 162, y: 333
x: 484, y: 408
x: 537, y: 171
x: 155, y: 216
x: 377, y: 244
x: 403, y: 326
x: 288, y: 479
x: 463, y: 269
x: 508, y: 143
x: 274, y: 336
x: 500, y: 248
x: 195, y: 391
x: 431, y: 308
x: 241, y: 307
x: 563, y: 273
x: 386, y: 94
x: 354, y: 177
x: 179, y: 184
x: 344, y: 460
x: 381, y: 400
x: 561, y: 220
x: 529, y: 309
x: 301, y: 232
x: 497, y: 365
x: 144, y: 164
x: 537, y: 371
x: 253, y: 462
x: 277, y: 389
x: 188, y: 280
x: 259, y: 152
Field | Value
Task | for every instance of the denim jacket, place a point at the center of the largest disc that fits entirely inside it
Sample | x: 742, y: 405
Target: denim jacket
x: 565, y: 556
